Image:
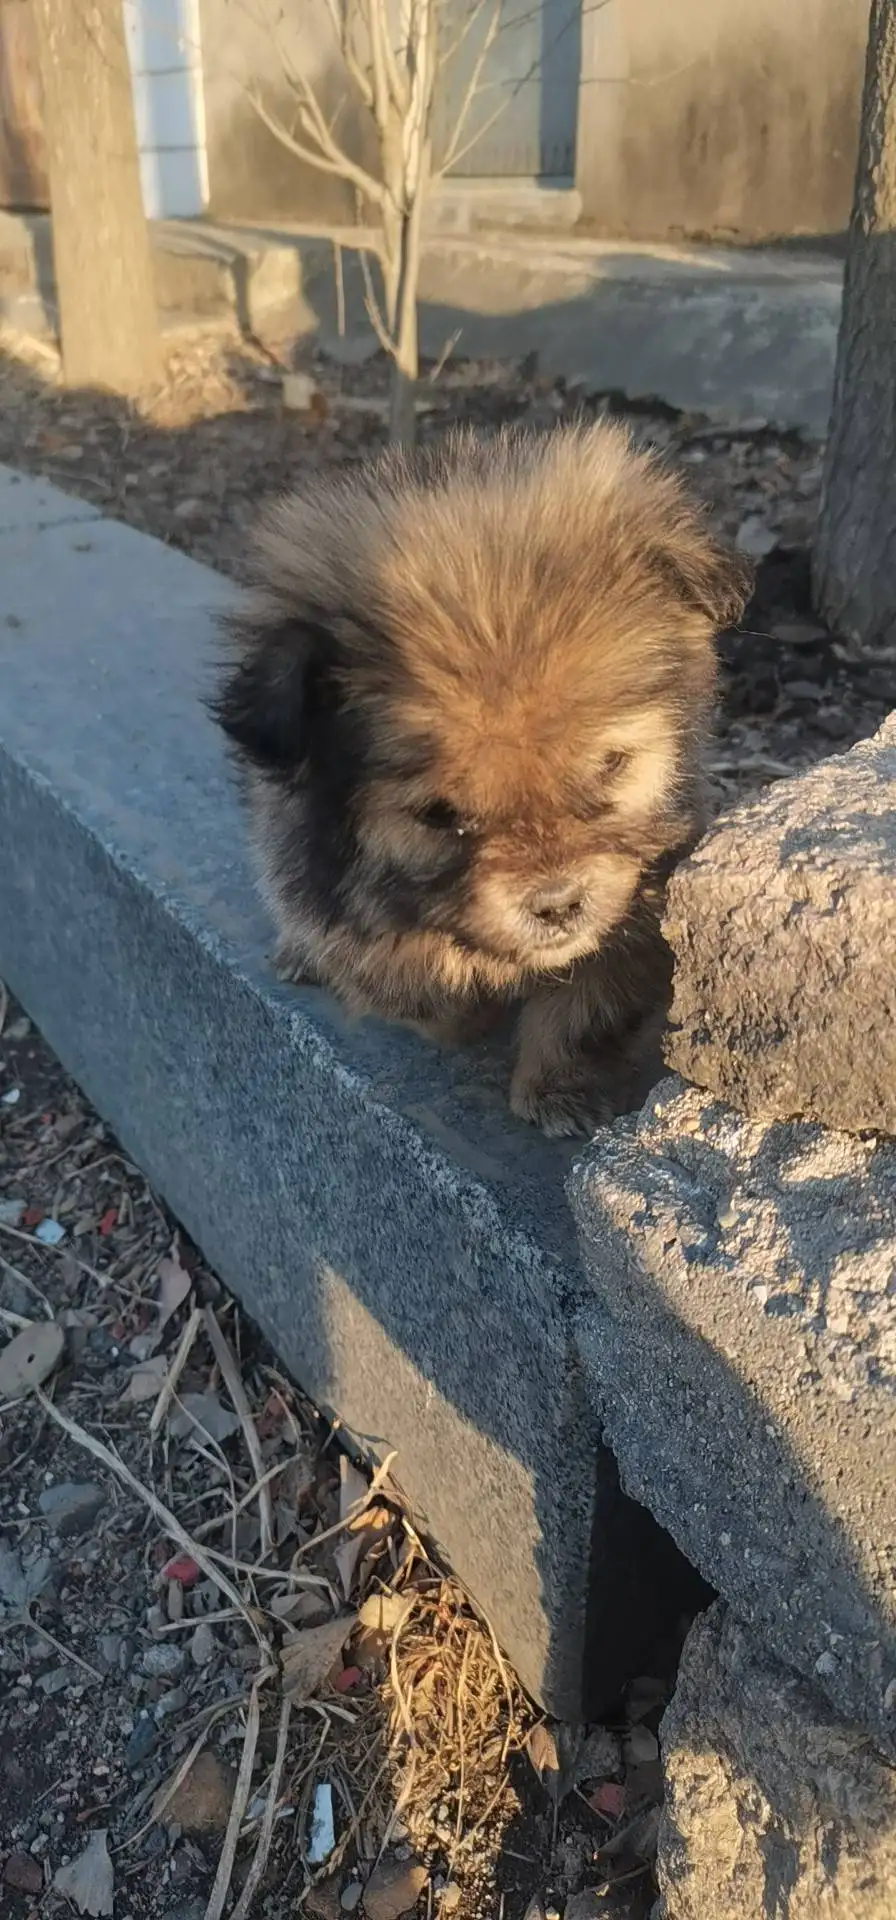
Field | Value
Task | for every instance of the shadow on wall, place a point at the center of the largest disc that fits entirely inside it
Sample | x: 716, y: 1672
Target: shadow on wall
x: 372, y: 1282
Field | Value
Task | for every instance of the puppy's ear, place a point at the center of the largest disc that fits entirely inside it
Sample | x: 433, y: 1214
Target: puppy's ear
x: 278, y: 696
x: 713, y: 580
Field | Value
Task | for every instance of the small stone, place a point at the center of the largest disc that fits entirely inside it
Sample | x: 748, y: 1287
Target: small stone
x: 56, y: 1680
x: 173, y: 1701
x: 174, y: 1600
x: 640, y: 1746
x: 163, y: 1662
x: 23, y: 1873
x: 71, y: 1507
x: 591, y: 1903
x: 394, y: 1888
x: 156, y: 1620
x: 350, y: 1896
x: 203, y: 1645
x: 110, y: 1645
x: 755, y: 538
x: 451, y: 1897
x: 141, y: 1744
x: 298, y: 392
x: 18, y: 1029
x: 203, y: 1800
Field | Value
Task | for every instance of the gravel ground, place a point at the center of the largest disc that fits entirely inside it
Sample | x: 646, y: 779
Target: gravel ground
x: 163, y: 1430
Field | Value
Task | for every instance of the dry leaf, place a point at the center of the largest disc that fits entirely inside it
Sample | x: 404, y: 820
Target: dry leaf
x: 28, y: 1359
x: 309, y: 1658
x: 146, y: 1381
x: 383, y: 1612
x: 309, y: 1607
x: 203, y: 1410
x: 174, y: 1286
x: 89, y: 1881
x: 361, y: 1536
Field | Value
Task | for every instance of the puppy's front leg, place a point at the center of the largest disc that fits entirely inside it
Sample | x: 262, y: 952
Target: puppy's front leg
x: 579, y: 1041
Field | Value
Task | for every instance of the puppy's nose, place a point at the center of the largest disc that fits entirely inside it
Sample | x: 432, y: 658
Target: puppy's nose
x: 557, y: 904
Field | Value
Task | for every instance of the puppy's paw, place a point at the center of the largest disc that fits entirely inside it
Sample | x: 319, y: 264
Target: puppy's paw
x: 294, y: 968
x: 563, y: 1110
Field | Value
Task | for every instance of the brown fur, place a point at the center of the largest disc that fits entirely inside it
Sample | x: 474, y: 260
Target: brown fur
x: 466, y: 679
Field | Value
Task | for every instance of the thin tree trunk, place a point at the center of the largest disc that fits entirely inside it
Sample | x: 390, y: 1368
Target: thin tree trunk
x: 855, y: 557
x: 406, y: 357
x: 101, y: 250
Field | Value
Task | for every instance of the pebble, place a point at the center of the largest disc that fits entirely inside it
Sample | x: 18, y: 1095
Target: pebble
x: 173, y: 1701
x: 203, y: 1800
x: 141, y: 1744
x: 394, y: 1888
x: 163, y: 1662
x: 350, y: 1896
x: 56, y: 1680
x: 203, y: 1645
x: 24, y: 1873
x: 71, y: 1507
x: 640, y: 1745
x: 451, y: 1897
x: 298, y: 391
x: 110, y: 1646
x: 156, y: 1620
x: 755, y: 538
x: 174, y: 1600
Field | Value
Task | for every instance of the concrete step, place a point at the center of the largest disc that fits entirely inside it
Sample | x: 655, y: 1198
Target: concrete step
x: 535, y: 206
x: 202, y: 272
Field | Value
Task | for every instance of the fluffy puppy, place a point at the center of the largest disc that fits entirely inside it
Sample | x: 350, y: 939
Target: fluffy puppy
x: 469, y: 692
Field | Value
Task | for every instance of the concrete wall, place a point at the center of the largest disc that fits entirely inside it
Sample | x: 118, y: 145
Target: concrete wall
x: 706, y: 118
x: 251, y: 176
x: 728, y: 118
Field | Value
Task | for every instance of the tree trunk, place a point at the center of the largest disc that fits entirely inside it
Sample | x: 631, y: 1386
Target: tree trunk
x: 855, y: 557
x: 103, y: 265
x: 406, y: 357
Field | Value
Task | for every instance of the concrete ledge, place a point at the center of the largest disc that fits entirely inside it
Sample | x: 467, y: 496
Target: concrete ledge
x: 783, y: 927
x: 202, y: 272
x: 741, y: 1348
x: 407, y: 1248
x: 773, y: 1805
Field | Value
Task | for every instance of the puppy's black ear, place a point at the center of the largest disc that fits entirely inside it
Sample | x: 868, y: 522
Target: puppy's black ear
x: 712, y: 579
x: 277, y: 697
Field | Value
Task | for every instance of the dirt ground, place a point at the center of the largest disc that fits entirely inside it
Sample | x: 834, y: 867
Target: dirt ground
x: 190, y: 1569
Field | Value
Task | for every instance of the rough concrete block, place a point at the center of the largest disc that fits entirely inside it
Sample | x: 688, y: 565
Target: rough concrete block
x: 405, y: 1245
x: 783, y: 927
x: 773, y: 1805
x: 741, y: 1346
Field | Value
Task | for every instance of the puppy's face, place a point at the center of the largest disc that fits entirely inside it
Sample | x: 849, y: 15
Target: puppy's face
x: 481, y: 679
x: 518, y: 825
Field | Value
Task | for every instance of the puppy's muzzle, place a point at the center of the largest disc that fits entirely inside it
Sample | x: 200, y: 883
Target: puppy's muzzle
x: 555, y: 910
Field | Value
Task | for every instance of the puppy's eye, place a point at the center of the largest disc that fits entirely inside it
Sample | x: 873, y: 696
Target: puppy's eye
x: 441, y: 817
x: 615, y: 760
